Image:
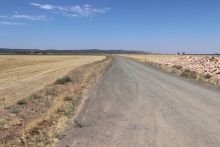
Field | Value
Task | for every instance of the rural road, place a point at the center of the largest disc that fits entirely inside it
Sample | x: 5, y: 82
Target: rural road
x: 136, y: 105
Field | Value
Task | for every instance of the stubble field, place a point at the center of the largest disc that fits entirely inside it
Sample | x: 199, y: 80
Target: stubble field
x: 22, y: 75
x: 150, y: 58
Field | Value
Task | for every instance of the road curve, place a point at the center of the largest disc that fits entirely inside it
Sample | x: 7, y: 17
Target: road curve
x: 138, y: 105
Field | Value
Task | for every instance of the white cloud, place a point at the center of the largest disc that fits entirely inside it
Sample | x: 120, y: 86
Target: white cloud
x: 62, y: 8
x: 101, y: 10
x: 41, y: 17
x: 87, y: 6
x: 12, y: 23
x: 71, y: 15
x: 47, y: 6
x: 3, y: 16
x: 73, y: 11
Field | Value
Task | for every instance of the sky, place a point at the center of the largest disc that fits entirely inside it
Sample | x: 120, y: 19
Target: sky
x: 158, y: 26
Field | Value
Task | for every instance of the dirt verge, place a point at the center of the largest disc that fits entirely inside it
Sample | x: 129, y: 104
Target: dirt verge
x: 38, y: 119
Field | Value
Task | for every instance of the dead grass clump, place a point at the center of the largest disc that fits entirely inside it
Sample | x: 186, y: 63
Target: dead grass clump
x: 68, y: 98
x: 63, y: 80
x: 189, y: 74
x: 34, y: 96
x: 71, y: 110
x: 2, y: 125
x: 77, y: 124
x: 177, y: 67
x: 21, y: 102
x: 207, y: 76
x: 52, y: 92
x: 109, y: 65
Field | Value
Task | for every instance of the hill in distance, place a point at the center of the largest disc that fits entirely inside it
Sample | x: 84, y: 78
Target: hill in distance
x: 53, y: 51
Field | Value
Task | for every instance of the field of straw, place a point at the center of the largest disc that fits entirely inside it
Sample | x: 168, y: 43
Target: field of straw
x: 22, y: 75
x: 151, y: 58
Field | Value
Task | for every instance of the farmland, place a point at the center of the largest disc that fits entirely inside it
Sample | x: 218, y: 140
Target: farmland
x: 22, y: 75
x: 150, y: 58
x: 128, y: 97
x: 57, y: 85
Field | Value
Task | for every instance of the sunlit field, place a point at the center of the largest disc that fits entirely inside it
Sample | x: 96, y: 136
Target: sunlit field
x: 151, y: 58
x: 22, y: 75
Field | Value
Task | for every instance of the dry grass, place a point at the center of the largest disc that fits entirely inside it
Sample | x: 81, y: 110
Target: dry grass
x: 46, y: 113
x: 151, y: 58
x: 22, y: 75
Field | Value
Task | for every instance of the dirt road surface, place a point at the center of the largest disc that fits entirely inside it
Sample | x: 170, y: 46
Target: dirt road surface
x: 138, y: 105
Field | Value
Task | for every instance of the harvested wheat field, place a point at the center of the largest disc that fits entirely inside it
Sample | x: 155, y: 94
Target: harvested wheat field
x: 22, y: 75
x: 150, y: 58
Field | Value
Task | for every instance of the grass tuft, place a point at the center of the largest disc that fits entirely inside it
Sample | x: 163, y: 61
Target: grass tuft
x: 207, y: 76
x: 35, y: 96
x: 177, y: 67
x: 57, y: 135
x: 1, y: 126
x: 63, y: 80
x: 21, y: 102
x: 110, y: 64
x: 193, y: 75
x: 77, y: 124
x: 74, y: 105
x: 184, y: 74
x: 52, y: 92
x: 68, y: 98
x: 187, y: 70
x: 189, y: 74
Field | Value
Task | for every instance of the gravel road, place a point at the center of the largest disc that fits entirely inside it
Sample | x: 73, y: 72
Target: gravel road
x: 138, y: 105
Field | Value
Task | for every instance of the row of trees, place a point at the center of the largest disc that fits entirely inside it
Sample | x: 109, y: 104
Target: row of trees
x: 30, y: 52
x: 183, y: 53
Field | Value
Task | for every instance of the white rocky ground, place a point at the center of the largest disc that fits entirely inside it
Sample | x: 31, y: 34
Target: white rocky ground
x: 202, y: 65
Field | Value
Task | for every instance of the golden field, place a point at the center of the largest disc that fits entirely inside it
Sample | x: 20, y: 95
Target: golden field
x: 151, y: 58
x: 22, y: 75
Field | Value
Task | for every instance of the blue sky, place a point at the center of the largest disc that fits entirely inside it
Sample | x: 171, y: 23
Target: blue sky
x: 159, y: 26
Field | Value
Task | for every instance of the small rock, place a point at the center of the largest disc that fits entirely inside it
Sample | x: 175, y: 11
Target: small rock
x: 188, y: 57
x: 217, y: 72
x: 214, y: 69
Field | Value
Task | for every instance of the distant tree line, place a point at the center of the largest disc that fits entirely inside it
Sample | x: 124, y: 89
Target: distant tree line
x: 183, y: 53
x: 29, y: 52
